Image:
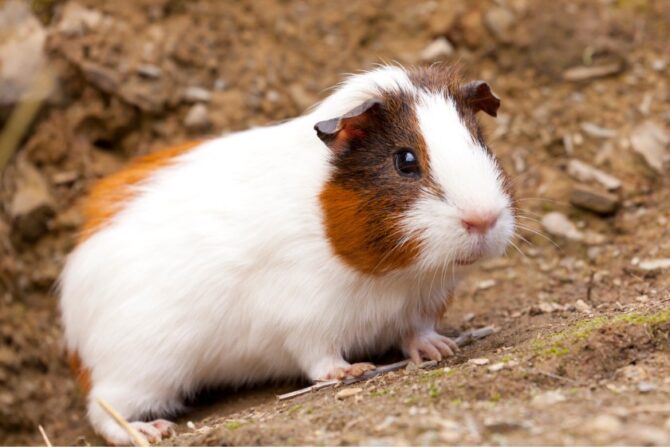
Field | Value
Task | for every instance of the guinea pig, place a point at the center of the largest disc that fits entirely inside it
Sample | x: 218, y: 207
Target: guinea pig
x: 284, y: 251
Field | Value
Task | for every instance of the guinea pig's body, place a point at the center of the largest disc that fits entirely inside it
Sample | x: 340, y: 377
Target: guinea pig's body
x: 280, y: 251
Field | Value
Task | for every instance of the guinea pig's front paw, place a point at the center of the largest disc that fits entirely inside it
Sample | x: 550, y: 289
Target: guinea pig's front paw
x: 154, y: 431
x: 343, y: 372
x: 428, y: 345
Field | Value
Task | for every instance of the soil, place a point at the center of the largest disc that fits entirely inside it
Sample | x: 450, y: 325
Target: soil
x: 581, y: 353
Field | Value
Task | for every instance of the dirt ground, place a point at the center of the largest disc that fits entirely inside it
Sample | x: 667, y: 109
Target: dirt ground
x: 581, y: 303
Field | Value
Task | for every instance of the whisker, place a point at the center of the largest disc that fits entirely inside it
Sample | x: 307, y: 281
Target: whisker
x: 531, y: 230
x: 518, y: 249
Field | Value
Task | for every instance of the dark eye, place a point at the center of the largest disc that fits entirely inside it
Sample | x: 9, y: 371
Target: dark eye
x: 406, y: 163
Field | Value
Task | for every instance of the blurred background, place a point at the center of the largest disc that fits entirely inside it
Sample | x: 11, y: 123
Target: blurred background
x: 583, y: 131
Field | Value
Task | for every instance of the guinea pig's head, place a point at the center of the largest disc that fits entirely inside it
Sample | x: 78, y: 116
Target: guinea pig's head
x: 413, y: 182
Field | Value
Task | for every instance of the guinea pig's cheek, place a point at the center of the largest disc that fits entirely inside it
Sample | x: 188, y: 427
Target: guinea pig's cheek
x: 435, y: 224
x: 367, y: 239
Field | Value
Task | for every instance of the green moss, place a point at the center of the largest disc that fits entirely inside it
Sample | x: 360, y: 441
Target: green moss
x: 653, y: 319
x: 456, y: 402
x: 559, y: 343
x: 434, y: 391
x: 379, y: 393
x: 232, y: 425
x: 495, y: 397
x: 294, y: 409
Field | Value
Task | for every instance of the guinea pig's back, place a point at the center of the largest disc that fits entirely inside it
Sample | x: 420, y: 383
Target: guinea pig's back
x: 164, y: 266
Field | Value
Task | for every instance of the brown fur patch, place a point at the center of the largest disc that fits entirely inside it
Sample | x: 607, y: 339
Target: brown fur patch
x: 365, y: 238
x: 110, y: 194
x: 366, y: 198
x: 82, y: 374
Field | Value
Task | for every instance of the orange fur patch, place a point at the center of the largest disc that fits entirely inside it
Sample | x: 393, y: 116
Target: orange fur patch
x: 110, y: 194
x: 365, y: 239
x: 83, y: 374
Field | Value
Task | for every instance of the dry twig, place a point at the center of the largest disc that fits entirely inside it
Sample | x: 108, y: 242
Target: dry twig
x: 464, y: 339
x: 134, y: 435
x: 44, y: 436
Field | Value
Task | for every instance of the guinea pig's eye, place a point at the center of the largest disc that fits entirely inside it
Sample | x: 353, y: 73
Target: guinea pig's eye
x: 406, y: 163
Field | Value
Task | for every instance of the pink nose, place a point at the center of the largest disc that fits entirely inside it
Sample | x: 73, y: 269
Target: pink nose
x: 479, y: 223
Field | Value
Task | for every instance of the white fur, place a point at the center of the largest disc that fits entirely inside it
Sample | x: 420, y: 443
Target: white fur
x: 219, y: 271
x: 472, y: 184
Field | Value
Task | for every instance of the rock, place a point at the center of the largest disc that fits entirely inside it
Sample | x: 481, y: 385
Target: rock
x: 582, y: 306
x: 220, y: 84
x: 439, y: 49
x: 519, y: 162
x: 70, y: 219
x: 548, y: 398
x: 646, y: 387
x: 64, y: 177
x: 647, y: 435
x: 486, y: 284
x: 632, y: 373
x: 590, y: 199
x: 594, y: 238
x: 545, y: 308
x: 348, y: 392
x: 104, y: 162
x: 502, y: 426
x: 603, y: 423
x: 103, y: 78
x: 586, y: 173
x: 650, y: 140
x: 149, y: 71
x: 596, y: 131
x: 196, y: 94
x: 21, y: 53
x: 44, y: 276
x: 496, y: 367
x: 479, y: 362
x: 77, y: 20
x: 499, y: 22
x: 583, y: 73
x: 558, y: 224
x: 469, y: 29
x: 654, y: 264
x: 32, y: 205
x: 197, y: 118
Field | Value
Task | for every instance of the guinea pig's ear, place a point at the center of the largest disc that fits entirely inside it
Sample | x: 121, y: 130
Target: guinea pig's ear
x: 478, y: 96
x: 338, y: 133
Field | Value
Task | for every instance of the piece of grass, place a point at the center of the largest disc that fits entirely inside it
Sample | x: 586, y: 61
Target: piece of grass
x: 137, y: 439
x: 44, y: 436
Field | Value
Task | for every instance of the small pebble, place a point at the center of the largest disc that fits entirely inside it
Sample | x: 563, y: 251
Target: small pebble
x: 654, y: 264
x: 646, y: 387
x: 348, y: 392
x: 548, y: 398
x: 440, y: 48
x: 581, y: 306
x: 496, y: 367
x: 479, y: 361
x: 197, y: 118
x: 486, y: 284
x: 196, y: 94
x: 603, y: 423
x: 558, y: 224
